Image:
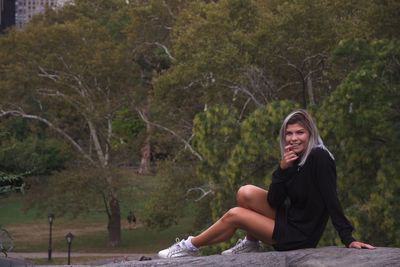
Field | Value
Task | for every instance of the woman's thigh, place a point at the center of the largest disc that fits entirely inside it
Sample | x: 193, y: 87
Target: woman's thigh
x: 255, y: 198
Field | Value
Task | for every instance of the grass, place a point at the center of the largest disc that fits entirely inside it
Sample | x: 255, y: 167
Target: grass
x: 91, y: 237
x: 11, y: 211
x: 31, y: 231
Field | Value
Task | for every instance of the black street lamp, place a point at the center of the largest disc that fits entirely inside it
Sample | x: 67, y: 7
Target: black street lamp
x: 50, y: 217
x: 69, y: 238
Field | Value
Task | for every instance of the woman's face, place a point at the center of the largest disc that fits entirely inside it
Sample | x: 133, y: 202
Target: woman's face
x: 297, y: 137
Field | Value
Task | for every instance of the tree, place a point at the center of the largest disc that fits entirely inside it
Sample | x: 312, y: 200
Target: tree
x: 25, y: 148
x: 74, y: 83
x: 224, y: 53
x: 211, y: 44
x: 246, y: 53
x: 148, y: 40
x: 360, y: 122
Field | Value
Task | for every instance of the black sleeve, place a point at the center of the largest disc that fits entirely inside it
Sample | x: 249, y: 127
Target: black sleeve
x: 326, y: 181
x: 277, y: 190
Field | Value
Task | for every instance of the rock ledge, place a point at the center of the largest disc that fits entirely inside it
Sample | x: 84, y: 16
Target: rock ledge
x: 325, y: 256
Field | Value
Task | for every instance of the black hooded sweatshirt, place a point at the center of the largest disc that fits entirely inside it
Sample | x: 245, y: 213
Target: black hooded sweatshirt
x: 304, y: 197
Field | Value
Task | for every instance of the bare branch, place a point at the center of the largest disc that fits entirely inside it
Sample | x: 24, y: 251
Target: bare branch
x: 163, y: 47
x: 20, y: 113
x: 165, y: 50
x: 187, y: 145
x: 259, y: 83
x: 168, y: 8
x: 290, y: 64
x: 68, y: 99
x: 247, y: 92
x: 45, y: 74
x: 108, y: 139
x: 203, y: 192
x: 286, y: 85
x: 244, y: 108
x: 309, y: 58
x: 96, y: 142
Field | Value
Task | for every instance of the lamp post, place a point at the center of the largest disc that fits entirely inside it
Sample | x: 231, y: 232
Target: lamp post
x: 69, y: 238
x: 50, y: 217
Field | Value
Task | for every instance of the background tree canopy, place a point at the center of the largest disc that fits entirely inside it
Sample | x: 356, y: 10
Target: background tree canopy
x: 196, y: 91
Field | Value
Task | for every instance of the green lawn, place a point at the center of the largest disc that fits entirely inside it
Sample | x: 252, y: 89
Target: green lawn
x: 139, y: 240
x: 11, y: 211
x: 31, y: 229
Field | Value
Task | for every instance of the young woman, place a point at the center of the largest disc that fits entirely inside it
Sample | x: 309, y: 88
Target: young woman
x: 294, y: 212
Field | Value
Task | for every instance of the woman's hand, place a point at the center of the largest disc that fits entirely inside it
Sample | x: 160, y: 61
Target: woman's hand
x: 288, y: 158
x: 356, y: 244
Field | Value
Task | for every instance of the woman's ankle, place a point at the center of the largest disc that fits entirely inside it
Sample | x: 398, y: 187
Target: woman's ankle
x: 251, y: 239
x: 189, y: 244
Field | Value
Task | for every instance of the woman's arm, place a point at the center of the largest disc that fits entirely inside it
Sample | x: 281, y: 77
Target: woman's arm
x: 326, y: 181
x: 325, y: 175
x: 277, y: 190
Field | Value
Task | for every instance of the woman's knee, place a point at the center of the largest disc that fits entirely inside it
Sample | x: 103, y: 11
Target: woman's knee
x: 245, y: 194
x: 232, y: 215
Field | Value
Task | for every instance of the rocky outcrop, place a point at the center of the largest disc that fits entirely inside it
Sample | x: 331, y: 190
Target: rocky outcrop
x: 320, y: 257
x: 326, y: 256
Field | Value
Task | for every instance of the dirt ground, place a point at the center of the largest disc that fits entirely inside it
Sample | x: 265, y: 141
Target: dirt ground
x: 24, y: 233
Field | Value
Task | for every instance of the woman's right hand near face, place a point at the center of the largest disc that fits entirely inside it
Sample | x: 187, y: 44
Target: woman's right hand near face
x: 289, y: 157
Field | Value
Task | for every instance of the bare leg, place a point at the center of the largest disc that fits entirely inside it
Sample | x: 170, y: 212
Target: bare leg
x: 253, y: 215
x: 254, y: 198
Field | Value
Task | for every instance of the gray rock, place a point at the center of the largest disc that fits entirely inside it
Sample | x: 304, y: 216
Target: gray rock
x: 11, y: 262
x: 326, y: 256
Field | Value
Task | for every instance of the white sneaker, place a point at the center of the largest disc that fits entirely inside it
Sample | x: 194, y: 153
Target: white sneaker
x: 243, y: 246
x: 178, y: 249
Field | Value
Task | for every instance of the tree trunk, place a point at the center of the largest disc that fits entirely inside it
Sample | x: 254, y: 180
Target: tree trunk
x: 114, y: 223
x: 310, y: 91
x: 144, y: 167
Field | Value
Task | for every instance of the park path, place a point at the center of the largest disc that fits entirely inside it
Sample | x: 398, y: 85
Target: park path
x: 77, y: 259
x: 44, y: 255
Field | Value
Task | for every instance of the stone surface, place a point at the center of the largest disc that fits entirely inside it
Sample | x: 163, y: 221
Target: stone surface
x: 326, y: 256
x: 11, y: 262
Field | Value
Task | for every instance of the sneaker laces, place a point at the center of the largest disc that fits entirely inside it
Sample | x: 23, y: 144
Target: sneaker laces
x: 179, y: 245
x: 239, y: 244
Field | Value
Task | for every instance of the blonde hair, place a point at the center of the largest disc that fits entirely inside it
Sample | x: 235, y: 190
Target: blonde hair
x: 304, y: 119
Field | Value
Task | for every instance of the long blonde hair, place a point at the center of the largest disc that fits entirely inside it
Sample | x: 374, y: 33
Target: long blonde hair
x: 304, y: 119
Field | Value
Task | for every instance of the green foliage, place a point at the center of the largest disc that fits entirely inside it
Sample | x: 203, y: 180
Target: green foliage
x: 256, y: 153
x: 168, y: 201
x: 212, y: 45
x: 103, y: 59
x: 372, y: 19
x: 361, y: 121
x: 127, y: 124
x: 74, y: 82
x: 11, y: 183
x: 38, y: 157
x: 237, y: 151
x: 215, y: 133
x: 128, y: 135
x: 70, y: 192
x: 26, y: 148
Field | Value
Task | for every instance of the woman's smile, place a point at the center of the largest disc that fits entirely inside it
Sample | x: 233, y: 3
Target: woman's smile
x: 297, y: 136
